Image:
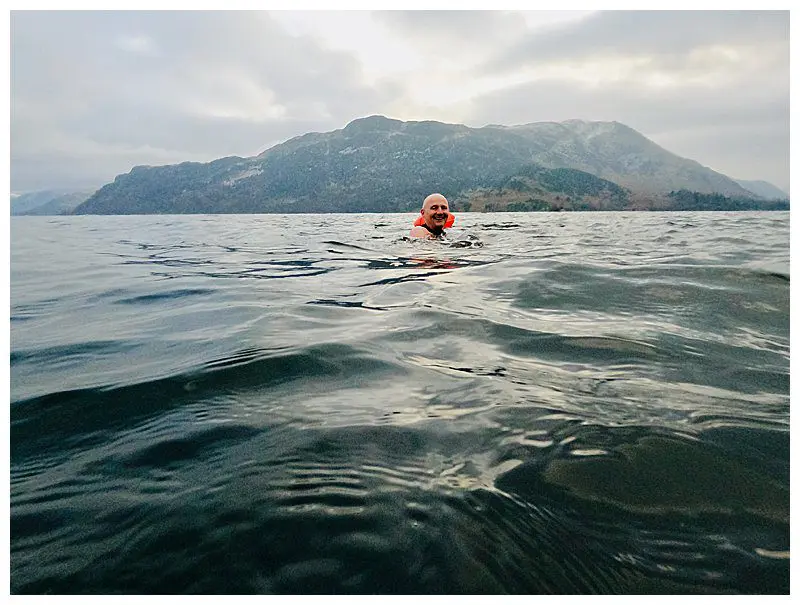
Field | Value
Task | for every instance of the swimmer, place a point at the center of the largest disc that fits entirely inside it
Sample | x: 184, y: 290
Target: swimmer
x: 435, y: 218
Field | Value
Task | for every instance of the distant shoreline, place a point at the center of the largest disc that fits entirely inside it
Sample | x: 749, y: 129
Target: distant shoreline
x: 457, y: 212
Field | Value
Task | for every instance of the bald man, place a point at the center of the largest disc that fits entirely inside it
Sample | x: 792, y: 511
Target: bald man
x: 435, y: 212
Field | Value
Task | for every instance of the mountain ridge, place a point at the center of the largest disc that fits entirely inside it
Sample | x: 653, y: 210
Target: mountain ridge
x: 380, y: 164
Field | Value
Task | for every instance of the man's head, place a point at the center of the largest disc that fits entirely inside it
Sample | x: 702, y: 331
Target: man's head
x: 435, y: 211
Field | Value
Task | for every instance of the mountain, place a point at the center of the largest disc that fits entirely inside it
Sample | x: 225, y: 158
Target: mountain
x: 620, y: 154
x: 377, y: 164
x: 50, y: 202
x: 764, y: 189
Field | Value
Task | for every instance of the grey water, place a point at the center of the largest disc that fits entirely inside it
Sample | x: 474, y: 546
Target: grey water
x: 545, y: 403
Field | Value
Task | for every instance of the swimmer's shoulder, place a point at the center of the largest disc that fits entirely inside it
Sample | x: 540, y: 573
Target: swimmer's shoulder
x: 420, y: 232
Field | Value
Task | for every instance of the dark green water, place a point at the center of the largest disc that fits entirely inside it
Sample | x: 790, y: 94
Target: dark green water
x: 550, y: 403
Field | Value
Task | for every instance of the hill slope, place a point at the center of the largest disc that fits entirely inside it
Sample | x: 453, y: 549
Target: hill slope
x: 764, y: 189
x: 620, y: 154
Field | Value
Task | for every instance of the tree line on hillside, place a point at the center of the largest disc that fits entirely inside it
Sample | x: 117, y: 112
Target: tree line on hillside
x: 692, y: 200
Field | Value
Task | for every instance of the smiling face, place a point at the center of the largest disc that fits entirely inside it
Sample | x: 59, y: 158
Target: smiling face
x: 435, y: 211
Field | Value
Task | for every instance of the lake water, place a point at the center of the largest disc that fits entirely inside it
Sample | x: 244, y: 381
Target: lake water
x: 547, y: 403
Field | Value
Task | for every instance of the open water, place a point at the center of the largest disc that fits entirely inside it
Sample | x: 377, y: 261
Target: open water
x: 548, y: 403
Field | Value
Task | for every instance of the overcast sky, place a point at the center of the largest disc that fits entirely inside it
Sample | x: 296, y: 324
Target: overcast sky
x: 95, y: 93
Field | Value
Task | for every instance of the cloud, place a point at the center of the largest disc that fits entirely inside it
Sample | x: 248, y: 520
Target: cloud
x: 450, y: 34
x: 187, y: 85
x: 669, y: 38
x: 142, y: 45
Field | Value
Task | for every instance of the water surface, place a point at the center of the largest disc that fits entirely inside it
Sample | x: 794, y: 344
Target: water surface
x: 547, y: 403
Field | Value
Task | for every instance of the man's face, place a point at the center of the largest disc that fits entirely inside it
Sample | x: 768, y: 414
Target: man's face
x: 435, y: 212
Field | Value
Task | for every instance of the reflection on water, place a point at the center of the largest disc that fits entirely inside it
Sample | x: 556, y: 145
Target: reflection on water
x: 541, y: 403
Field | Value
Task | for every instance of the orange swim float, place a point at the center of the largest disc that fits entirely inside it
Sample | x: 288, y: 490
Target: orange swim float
x: 447, y: 224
